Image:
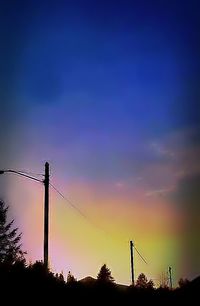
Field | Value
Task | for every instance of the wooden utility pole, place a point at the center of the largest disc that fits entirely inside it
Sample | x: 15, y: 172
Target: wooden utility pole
x: 170, y: 277
x: 46, y: 215
x: 132, y: 266
x: 46, y: 205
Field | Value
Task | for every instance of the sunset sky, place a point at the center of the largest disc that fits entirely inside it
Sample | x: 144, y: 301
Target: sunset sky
x: 108, y: 93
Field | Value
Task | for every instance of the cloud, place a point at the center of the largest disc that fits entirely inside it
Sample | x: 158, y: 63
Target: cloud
x: 161, y: 150
x: 119, y: 185
x: 159, y: 192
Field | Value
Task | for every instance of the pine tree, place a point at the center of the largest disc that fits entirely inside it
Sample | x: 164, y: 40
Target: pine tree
x: 70, y: 278
x: 10, y: 247
x: 61, y: 277
x: 183, y: 282
x: 104, y: 275
x: 143, y: 283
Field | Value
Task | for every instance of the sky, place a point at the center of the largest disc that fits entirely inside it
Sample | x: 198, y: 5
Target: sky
x: 108, y: 93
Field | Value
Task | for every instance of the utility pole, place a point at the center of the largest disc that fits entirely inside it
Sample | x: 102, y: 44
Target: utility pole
x: 170, y: 277
x: 132, y: 266
x: 46, y: 204
x: 46, y: 215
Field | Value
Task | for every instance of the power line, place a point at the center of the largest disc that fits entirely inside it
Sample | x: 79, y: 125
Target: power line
x: 140, y: 255
x: 85, y: 217
x: 70, y: 202
x: 30, y: 173
x: 80, y: 212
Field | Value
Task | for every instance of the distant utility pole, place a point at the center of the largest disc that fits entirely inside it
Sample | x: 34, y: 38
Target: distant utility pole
x: 170, y: 277
x: 46, y: 215
x: 132, y: 266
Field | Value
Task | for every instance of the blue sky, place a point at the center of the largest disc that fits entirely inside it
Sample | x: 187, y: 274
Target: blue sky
x: 107, y: 91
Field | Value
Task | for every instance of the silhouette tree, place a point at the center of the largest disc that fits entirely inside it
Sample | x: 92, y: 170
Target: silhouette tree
x: 61, y: 277
x: 10, y: 249
x: 183, y: 282
x: 143, y: 283
x: 70, y: 278
x: 150, y: 284
x: 104, y: 275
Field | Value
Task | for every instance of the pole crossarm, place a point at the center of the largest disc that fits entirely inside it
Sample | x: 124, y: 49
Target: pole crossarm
x: 22, y: 174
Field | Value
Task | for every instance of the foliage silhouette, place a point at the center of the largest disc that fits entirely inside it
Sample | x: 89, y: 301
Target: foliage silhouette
x: 70, y: 278
x: 143, y: 283
x: 20, y: 282
x: 183, y: 282
x: 104, y: 275
x: 43, y: 285
x: 10, y: 247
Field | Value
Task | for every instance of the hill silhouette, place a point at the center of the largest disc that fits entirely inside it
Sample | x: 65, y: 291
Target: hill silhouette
x: 88, y: 280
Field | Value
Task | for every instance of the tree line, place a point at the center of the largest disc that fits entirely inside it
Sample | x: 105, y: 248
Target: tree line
x: 34, y: 280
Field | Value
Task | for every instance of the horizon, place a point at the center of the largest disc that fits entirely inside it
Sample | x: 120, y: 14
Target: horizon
x: 108, y: 94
